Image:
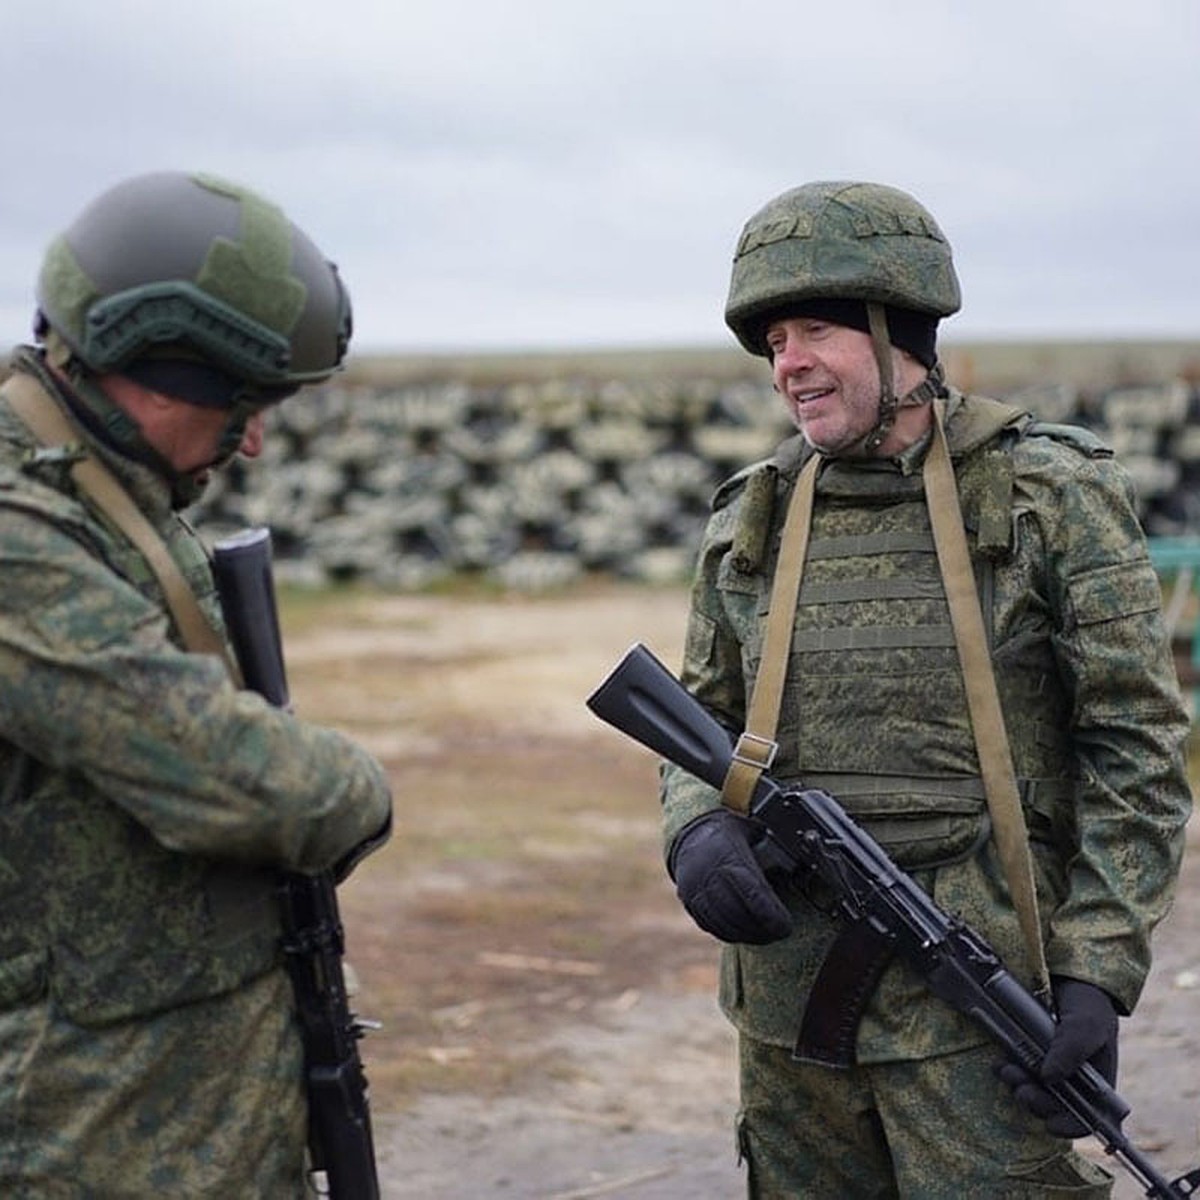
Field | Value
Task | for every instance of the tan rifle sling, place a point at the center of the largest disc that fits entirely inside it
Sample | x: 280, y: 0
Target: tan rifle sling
x: 756, y: 747
x: 50, y: 425
x: 983, y: 699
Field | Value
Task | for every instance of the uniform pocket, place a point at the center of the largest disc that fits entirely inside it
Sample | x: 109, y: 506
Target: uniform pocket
x: 1066, y: 1175
x: 1114, y: 591
x: 919, y: 823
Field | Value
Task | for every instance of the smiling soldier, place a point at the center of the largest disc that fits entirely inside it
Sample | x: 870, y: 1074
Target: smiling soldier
x: 829, y: 570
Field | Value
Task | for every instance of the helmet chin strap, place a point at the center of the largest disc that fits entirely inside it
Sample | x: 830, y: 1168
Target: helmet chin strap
x: 889, y: 402
x: 111, y: 425
x: 882, y: 346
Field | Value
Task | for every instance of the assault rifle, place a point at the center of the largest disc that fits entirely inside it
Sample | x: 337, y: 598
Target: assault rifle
x: 881, y: 911
x: 340, y: 1143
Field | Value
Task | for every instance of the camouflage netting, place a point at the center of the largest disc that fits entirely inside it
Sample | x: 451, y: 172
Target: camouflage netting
x: 532, y: 484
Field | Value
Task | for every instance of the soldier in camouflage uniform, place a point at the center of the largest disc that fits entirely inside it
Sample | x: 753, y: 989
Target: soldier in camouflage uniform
x: 841, y: 287
x: 148, y: 1037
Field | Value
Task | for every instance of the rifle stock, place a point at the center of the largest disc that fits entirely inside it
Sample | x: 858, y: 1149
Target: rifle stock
x: 339, y: 1119
x: 874, y: 901
x: 242, y: 571
x: 641, y: 698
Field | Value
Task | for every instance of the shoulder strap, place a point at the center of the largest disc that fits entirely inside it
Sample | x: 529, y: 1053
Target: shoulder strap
x: 983, y: 699
x: 756, y: 747
x: 48, y: 423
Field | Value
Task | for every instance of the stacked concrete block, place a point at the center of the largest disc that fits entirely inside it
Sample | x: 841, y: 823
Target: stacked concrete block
x: 534, y: 482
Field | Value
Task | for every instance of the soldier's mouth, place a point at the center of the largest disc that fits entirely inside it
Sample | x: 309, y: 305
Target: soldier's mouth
x: 807, y: 396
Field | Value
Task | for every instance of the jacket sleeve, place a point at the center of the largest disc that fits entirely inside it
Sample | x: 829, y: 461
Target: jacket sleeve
x: 1128, y: 726
x: 711, y: 671
x: 90, y: 683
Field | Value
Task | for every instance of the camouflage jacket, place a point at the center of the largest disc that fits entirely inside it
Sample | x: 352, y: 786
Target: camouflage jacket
x: 874, y: 705
x: 144, y: 801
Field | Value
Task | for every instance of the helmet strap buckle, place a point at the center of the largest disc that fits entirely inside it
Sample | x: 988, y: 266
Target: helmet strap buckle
x: 882, y: 346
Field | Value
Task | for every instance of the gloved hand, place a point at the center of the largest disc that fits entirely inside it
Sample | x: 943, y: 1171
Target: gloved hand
x: 721, y: 884
x: 1087, y: 1032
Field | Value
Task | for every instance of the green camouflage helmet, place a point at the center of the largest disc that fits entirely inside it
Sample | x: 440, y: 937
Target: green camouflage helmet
x: 172, y: 262
x: 852, y: 241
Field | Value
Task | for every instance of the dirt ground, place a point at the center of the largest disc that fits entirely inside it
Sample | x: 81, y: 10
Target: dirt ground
x: 549, y: 1028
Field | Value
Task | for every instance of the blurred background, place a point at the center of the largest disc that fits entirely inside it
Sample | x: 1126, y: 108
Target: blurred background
x: 534, y: 205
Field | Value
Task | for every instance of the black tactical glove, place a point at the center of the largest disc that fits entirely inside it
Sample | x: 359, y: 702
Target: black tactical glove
x: 1087, y: 1032
x: 721, y: 884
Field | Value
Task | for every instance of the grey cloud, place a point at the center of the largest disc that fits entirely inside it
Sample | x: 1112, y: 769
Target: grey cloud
x: 550, y: 172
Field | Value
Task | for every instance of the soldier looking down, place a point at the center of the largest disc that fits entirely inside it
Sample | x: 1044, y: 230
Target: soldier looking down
x: 148, y: 1037
x: 859, y: 609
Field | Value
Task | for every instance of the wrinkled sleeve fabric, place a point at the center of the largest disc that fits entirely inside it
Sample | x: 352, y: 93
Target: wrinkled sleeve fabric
x: 711, y: 671
x: 90, y: 683
x: 1128, y: 722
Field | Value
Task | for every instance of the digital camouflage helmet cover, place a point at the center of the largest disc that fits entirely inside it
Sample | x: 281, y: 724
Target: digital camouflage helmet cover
x: 839, y: 240
x: 842, y: 242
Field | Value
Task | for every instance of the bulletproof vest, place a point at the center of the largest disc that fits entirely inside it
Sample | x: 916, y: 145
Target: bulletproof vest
x: 874, y: 708
x: 111, y: 924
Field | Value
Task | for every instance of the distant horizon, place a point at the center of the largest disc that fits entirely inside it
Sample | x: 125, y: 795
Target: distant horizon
x: 970, y: 363
x: 484, y: 190
x: 723, y: 345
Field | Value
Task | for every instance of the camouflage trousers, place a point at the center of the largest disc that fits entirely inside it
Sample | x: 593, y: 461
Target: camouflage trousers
x: 935, y: 1129
x: 202, y: 1101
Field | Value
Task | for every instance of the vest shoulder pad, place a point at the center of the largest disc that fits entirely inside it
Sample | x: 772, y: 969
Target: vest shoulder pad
x: 731, y: 487
x: 789, y: 456
x: 978, y: 419
x: 1080, y: 439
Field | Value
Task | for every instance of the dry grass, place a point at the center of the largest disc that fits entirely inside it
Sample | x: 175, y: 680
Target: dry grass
x: 524, y: 883
x: 524, y: 879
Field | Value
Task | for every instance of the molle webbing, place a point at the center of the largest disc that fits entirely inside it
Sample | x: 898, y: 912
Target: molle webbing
x: 846, y: 591
x: 879, y: 637
x: 887, y: 542
x: 849, y: 591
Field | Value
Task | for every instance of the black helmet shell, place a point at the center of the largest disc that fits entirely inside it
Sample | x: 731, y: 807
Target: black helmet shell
x: 170, y: 263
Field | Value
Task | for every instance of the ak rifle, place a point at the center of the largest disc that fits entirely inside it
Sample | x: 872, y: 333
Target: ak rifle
x: 880, y: 910
x: 340, y: 1143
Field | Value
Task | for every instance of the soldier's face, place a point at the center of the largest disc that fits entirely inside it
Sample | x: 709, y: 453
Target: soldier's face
x: 828, y: 378
x: 194, y: 439
x: 191, y: 437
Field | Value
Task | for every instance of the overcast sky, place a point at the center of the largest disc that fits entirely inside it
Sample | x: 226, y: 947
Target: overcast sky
x: 521, y: 174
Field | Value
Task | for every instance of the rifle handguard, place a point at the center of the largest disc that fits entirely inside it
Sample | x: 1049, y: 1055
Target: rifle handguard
x: 340, y: 1139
